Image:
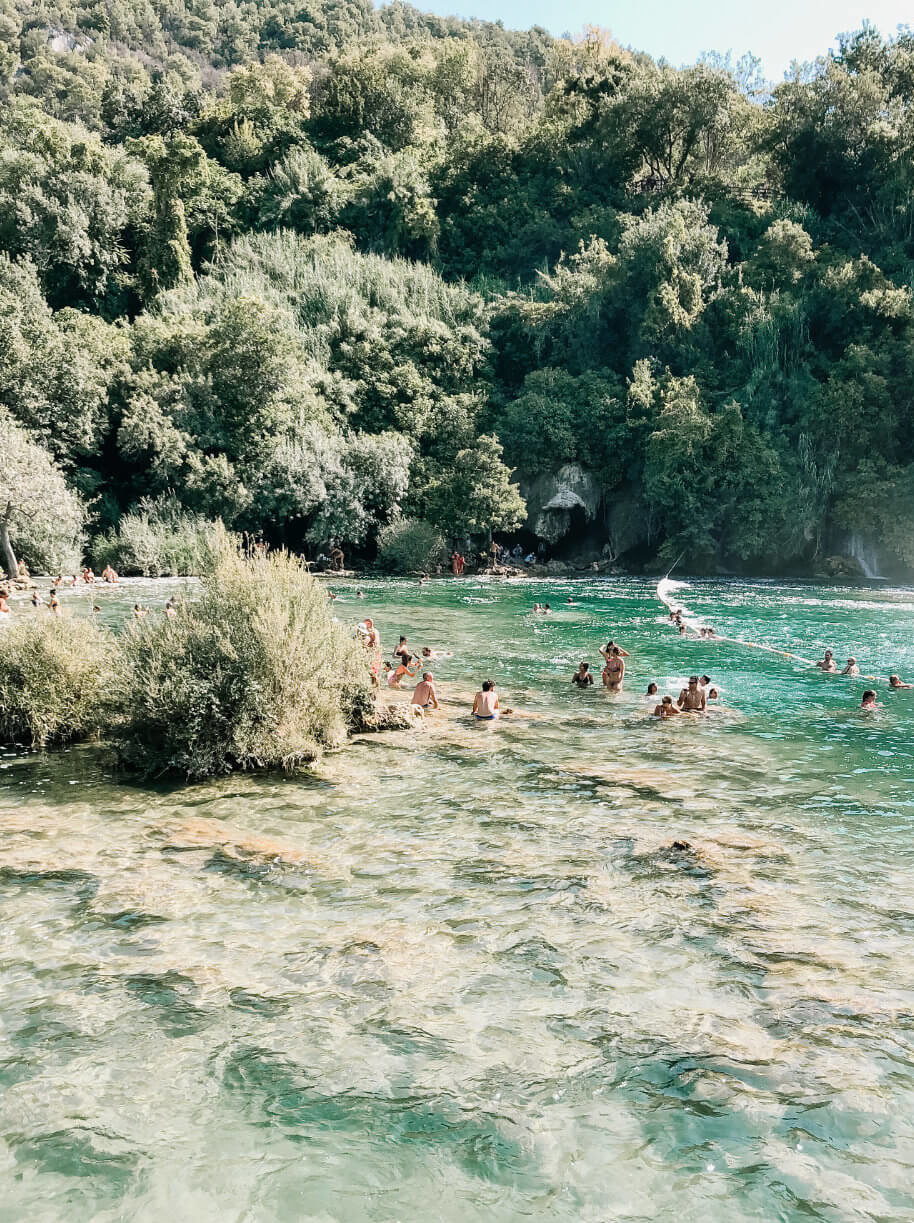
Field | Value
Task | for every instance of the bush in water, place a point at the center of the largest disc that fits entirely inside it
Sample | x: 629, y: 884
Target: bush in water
x: 54, y: 679
x: 156, y: 539
x: 255, y: 674
x: 408, y: 545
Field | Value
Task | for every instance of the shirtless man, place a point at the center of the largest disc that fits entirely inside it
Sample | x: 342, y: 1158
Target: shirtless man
x: 851, y: 668
x: 582, y: 677
x: 424, y: 694
x: 827, y: 663
x: 614, y: 671
x: 895, y: 682
x: 109, y: 575
x: 693, y: 699
x: 666, y: 708
x: 428, y: 652
x: 485, y: 703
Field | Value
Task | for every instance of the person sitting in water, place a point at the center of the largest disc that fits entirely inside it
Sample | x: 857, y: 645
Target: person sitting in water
x: 424, y: 694
x: 88, y: 576
x: 851, y: 668
x: 693, y: 699
x: 170, y: 610
x: 713, y: 694
x: 614, y: 671
x: 582, y: 677
x: 4, y: 606
x: 895, y: 682
x: 869, y: 700
x: 666, y: 708
x: 827, y: 663
x: 401, y: 670
x: 108, y: 575
x: 485, y: 702
x: 139, y: 612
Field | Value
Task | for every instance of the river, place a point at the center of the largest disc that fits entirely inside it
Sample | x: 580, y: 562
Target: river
x: 462, y: 974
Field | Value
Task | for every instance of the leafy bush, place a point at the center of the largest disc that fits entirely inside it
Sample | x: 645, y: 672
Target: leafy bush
x: 256, y: 674
x: 54, y: 679
x: 409, y: 545
x: 157, y: 539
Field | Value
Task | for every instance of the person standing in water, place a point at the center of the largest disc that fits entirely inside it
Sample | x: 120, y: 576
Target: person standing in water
x: 372, y: 641
x: 869, y: 700
x: 693, y: 699
x: 851, y: 668
x: 827, y: 663
x: 582, y: 677
x: 614, y: 671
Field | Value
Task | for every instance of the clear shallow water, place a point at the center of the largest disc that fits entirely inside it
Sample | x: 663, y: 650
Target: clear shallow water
x: 461, y: 975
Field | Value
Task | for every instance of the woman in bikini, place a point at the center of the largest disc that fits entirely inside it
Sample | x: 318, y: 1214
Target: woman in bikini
x: 614, y: 671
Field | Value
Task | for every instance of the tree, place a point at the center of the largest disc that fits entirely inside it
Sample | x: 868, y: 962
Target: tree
x: 476, y: 496
x: 38, y: 513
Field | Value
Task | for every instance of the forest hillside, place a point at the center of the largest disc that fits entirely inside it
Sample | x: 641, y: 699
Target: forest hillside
x: 349, y: 274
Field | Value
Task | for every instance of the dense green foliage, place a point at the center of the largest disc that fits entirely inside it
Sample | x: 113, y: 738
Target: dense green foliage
x: 254, y: 674
x: 309, y: 270
x: 156, y: 539
x: 55, y: 680
x: 410, y: 546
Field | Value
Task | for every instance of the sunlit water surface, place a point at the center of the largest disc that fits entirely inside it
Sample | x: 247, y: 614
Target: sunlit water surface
x: 461, y: 975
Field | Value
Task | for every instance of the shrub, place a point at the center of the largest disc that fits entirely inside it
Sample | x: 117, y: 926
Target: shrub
x: 256, y: 674
x: 157, y: 539
x: 408, y: 545
x: 54, y: 679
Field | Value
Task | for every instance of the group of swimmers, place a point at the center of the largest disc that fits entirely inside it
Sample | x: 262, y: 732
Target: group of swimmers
x: 827, y: 664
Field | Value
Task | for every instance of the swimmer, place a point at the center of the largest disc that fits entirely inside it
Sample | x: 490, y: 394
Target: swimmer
x: 359, y: 595
x: 582, y: 677
x: 651, y: 689
x: 95, y: 609
x: 54, y: 603
x: 711, y: 633
x: 424, y: 694
x: 851, y: 668
x: 682, y: 628
x: 536, y: 608
x: 704, y: 680
x: 666, y: 708
x: 485, y: 703
x: 401, y: 670
x: 170, y: 611
x: 702, y: 632
x: 428, y: 652
x: 895, y: 682
x: 36, y: 602
x: 693, y: 699
x: 108, y: 575
x: 713, y: 694
x: 4, y: 606
x: 400, y: 650
x: 58, y: 581
x: 869, y: 700
x: 139, y: 612
x: 570, y: 600
x: 827, y: 663
x: 73, y: 580
x: 546, y: 609
x: 614, y: 671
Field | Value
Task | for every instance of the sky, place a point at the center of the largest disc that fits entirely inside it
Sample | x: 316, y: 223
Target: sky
x: 777, y: 31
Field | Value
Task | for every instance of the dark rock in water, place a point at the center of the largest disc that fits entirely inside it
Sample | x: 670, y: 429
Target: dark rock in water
x: 385, y: 717
x: 682, y: 845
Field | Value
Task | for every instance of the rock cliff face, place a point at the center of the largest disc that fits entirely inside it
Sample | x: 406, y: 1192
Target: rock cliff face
x: 556, y: 500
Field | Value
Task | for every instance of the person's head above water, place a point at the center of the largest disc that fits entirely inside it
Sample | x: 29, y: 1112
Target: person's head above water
x: 895, y: 681
x: 713, y: 694
x: 652, y: 689
x: 869, y: 698
x: 585, y: 666
x: 706, y: 679
x: 828, y: 654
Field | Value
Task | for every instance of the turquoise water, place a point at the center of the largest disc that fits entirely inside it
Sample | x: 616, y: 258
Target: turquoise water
x: 462, y: 975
